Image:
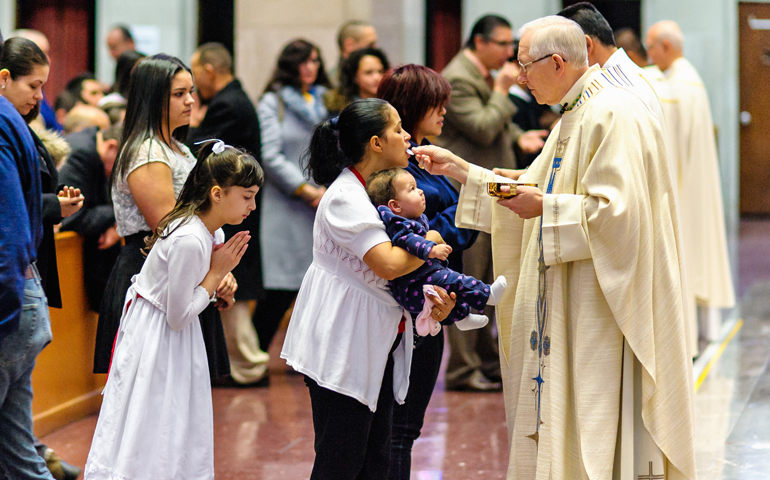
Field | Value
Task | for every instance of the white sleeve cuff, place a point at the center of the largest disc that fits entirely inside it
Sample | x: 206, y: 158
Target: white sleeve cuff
x: 564, y: 238
x: 474, y: 209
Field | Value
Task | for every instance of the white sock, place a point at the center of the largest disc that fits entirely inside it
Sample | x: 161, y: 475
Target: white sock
x: 472, y: 322
x: 496, y: 290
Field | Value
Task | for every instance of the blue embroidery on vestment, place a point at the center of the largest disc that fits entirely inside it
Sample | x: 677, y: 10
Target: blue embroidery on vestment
x: 539, y: 341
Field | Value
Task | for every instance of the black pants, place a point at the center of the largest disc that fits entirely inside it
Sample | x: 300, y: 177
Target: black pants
x: 409, y: 417
x: 269, y: 313
x: 351, y: 441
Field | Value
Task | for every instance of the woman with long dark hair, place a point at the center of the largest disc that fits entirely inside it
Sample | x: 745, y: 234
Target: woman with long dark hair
x: 288, y: 110
x: 152, y: 166
x: 360, y: 74
x: 419, y: 95
x: 123, y: 66
x: 345, y: 333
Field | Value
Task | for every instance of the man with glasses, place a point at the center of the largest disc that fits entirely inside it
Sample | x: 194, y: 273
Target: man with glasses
x: 597, y: 380
x: 478, y: 126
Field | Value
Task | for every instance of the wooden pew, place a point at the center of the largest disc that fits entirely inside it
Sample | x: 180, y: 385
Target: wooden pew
x: 65, y: 389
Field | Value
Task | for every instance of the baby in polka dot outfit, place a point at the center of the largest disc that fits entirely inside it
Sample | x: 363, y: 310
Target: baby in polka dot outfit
x: 401, y: 205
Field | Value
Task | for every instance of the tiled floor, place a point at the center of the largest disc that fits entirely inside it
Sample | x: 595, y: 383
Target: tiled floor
x: 267, y: 433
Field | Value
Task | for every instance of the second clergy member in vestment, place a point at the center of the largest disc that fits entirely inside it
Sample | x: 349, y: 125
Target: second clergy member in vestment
x: 696, y: 167
x: 597, y: 381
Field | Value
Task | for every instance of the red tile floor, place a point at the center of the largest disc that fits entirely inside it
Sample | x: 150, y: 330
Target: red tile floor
x: 267, y: 433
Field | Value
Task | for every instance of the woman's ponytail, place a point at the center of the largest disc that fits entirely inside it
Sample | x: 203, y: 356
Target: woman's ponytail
x: 341, y: 142
x: 324, y: 159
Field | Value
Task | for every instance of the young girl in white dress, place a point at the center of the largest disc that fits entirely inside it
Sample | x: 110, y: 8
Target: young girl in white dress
x: 156, y: 421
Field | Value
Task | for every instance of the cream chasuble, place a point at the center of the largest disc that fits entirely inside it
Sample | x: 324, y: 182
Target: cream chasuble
x: 631, y: 72
x: 697, y: 179
x: 599, y: 270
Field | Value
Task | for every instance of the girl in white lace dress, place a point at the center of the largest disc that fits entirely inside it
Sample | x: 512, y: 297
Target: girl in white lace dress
x: 156, y: 421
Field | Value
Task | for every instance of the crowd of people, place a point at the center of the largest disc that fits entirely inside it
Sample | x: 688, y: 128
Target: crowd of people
x: 357, y: 200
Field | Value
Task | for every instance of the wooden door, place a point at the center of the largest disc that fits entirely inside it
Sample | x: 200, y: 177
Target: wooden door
x: 754, y: 65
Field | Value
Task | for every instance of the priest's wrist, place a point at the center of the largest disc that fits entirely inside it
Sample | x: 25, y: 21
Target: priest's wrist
x: 459, y: 170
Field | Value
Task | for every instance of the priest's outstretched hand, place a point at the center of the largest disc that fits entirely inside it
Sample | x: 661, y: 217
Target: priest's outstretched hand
x: 528, y: 202
x: 440, y: 161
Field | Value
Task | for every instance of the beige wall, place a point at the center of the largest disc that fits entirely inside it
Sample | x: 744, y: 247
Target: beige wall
x: 174, y: 21
x: 263, y: 27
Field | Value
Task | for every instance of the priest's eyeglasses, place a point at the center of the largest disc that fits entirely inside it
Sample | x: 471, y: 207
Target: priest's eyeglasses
x: 525, y: 65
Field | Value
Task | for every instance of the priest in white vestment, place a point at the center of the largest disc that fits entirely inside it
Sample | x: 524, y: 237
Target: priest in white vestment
x: 602, y: 51
x: 597, y: 381
x: 696, y: 174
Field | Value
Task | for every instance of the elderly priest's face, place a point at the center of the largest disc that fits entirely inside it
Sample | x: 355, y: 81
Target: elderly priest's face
x: 544, y: 75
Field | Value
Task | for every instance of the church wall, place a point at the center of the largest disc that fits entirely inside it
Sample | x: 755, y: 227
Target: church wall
x: 7, y: 16
x: 168, y: 26
x: 263, y: 27
x: 517, y: 12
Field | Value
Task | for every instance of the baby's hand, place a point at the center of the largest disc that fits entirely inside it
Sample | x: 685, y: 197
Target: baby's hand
x: 441, y: 251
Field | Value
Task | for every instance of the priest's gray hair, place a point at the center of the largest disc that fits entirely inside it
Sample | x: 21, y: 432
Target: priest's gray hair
x: 556, y: 34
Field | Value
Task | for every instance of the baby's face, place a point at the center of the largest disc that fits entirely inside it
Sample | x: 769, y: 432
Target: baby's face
x: 409, y: 198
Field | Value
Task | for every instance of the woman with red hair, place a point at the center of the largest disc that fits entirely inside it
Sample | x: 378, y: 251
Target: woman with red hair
x: 420, y: 95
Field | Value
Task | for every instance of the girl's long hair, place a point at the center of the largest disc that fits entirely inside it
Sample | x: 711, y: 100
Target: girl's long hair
x: 341, y: 142
x: 232, y: 167
x: 147, y: 108
x: 123, y: 66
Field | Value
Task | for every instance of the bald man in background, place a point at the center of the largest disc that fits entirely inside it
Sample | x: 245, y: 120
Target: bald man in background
x: 353, y: 35
x: 696, y: 175
x: 85, y: 116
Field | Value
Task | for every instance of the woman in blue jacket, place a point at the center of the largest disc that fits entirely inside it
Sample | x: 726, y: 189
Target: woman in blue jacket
x: 419, y: 94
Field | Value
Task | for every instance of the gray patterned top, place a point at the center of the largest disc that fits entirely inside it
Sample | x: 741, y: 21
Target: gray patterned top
x: 127, y: 214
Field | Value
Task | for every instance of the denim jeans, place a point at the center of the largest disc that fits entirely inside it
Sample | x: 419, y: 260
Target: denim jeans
x: 409, y: 417
x: 18, y: 351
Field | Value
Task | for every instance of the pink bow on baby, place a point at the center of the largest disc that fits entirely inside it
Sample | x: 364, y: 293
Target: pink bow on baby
x: 425, y: 324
